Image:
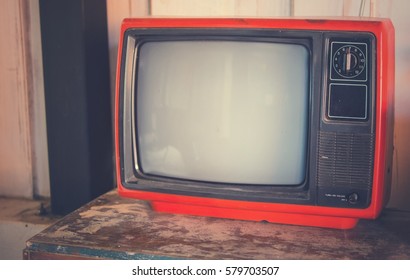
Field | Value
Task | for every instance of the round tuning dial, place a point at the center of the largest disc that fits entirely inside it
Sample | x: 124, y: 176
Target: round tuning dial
x: 349, y: 61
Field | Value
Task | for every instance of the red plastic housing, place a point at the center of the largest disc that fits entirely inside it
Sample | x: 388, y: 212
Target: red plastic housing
x: 310, y: 215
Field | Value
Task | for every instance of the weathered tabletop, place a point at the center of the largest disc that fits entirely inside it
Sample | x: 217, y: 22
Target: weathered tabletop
x: 118, y: 228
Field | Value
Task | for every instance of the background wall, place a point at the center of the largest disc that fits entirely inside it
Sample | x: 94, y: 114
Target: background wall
x: 397, y: 10
x: 23, y: 144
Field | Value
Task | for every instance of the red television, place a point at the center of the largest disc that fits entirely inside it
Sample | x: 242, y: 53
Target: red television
x: 280, y: 120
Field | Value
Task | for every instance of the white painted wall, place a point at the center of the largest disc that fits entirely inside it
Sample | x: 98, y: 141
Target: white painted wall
x: 261, y: 8
x: 41, y: 178
x: 23, y: 141
x: 23, y: 144
x: 16, y: 172
x: 399, y: 12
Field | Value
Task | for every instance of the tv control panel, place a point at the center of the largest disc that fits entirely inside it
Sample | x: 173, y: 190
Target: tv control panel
x: 348, y: 89
x: 346, y: 136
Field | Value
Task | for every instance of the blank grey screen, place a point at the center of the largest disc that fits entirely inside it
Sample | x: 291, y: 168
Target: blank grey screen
x: 223, y: 111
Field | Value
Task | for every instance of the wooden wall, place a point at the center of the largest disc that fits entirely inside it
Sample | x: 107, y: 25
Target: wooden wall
x: 23, y: 146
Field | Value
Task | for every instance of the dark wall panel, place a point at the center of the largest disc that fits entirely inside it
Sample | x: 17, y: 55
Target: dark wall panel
x: 77, y: 93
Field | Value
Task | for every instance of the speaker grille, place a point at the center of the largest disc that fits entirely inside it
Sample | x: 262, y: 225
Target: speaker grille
x: 345, y: 160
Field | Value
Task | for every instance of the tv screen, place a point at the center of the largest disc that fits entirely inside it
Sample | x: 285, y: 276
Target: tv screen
x: 209, y: 111
x: 279, y: 120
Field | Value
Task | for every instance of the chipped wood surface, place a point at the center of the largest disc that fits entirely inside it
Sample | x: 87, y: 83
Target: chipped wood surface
x: 117, y: 228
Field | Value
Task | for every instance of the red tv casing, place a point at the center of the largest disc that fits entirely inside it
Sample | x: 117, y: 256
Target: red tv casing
x: 310, y: 215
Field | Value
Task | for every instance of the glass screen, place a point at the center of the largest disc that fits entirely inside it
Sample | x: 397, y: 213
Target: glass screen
x: 223, y: 111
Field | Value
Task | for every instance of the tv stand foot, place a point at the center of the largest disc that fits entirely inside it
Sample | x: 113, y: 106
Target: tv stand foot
x: 253, y: 215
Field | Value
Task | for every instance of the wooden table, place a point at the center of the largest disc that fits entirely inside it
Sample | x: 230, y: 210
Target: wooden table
x: 112, y: 227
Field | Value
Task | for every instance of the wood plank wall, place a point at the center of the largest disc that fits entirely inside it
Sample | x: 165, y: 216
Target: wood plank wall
x: 23, y: 145
x: 23, y: 153
x: 15, y: 140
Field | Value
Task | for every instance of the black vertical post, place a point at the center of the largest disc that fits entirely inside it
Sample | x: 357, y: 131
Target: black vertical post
x: 77, y: 95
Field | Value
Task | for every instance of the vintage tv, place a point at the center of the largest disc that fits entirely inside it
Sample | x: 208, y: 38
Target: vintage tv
x: 279, y: 120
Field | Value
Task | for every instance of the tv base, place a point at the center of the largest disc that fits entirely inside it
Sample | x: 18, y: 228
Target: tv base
x: 253, y: 215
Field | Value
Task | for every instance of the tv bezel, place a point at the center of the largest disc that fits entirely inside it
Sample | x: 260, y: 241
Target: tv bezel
x: 263, y: 193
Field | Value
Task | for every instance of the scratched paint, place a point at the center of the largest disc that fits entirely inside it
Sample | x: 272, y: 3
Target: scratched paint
x: 120, y: 228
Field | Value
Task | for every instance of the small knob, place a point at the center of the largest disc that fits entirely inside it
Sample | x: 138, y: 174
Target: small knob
x: 350, y: 61
x: 353, y: 198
